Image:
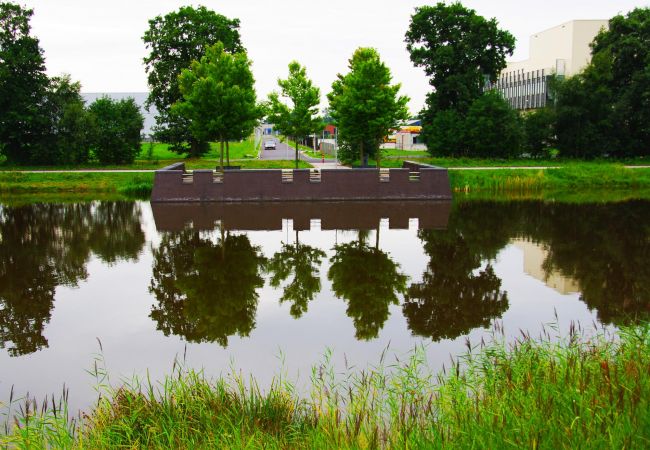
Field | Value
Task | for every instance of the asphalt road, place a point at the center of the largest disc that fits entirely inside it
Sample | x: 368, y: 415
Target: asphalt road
x: 283, y: 151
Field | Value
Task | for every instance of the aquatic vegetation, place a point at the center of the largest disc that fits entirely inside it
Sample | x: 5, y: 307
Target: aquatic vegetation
x: 578, y: 391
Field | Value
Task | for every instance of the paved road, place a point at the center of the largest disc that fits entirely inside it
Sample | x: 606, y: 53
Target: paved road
x: 283, y: 151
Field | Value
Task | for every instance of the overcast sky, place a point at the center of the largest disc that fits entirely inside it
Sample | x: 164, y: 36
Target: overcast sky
x: 99, y: 42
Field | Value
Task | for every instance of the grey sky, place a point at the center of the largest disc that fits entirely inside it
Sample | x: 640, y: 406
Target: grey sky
x: 99, y: 42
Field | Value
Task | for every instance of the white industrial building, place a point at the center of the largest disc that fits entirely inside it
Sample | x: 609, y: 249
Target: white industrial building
x: 562, y: 50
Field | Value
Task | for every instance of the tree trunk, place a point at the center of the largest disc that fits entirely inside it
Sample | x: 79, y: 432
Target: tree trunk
x: 378, y: 158
x: 221, y: 153
x: 228, y: 153
x: 296, y: 152
x: 363, y: 164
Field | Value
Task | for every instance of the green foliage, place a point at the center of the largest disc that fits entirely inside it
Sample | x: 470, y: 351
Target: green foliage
x: 626, y: 46
x: 72, y: 127
x: 174, y: 41
x: 365, y: 106
x: 118, y: 124
x: 219, y: 99
x: 605, y: 110
x: 300, y: 117
x: 490, y: 129
x: 459, y: 51
x: 493, y: 128
x: 539, y: 131
x: 23, y: 84
x: 445, y: 134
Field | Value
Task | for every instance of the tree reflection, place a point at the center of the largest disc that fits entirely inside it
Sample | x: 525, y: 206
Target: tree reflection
x: 453, y: 298
x: 303, y: 262
x: 369, y: 280
x: 206, y: 292
x: 606, y: 249
x: 43, y: 246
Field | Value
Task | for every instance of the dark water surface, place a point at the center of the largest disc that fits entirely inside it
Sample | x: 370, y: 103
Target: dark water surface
x: 247, y: 286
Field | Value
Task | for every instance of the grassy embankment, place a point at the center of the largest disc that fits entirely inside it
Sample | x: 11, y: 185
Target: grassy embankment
x: 571, y: 393
x: 122, y: 184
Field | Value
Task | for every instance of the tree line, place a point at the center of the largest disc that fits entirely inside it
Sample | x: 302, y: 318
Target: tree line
x: 603, y: 111
x: 44, y: 120
x: 202, y: 86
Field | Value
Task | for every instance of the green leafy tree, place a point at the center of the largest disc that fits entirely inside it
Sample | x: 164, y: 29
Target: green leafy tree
x: 23, y: 84
x: 493, y: 128
x: 626, y: 47
x: 369, y: 280
x: 300, y: 117
x: 585, y: 124
x: 174, y: 41
x: 116, y: 135
x: 70, y: 135
x: 460, y: 51
x: 539, y: 131
x: 303, y: 262
x: 364, y: 105
x: 219, y: 97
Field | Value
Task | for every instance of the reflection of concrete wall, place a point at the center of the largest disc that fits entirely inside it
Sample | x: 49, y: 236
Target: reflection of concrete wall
x: 534, y: 257
x: 413, y: 182
x: 269, y: 216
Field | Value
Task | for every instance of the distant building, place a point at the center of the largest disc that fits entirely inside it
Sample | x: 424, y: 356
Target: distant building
x: 562, y: 50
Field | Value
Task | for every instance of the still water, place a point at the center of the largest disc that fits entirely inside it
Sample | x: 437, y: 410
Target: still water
x: 259, y: 288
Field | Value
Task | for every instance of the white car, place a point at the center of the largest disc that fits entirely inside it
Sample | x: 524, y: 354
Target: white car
x: 269, y: 145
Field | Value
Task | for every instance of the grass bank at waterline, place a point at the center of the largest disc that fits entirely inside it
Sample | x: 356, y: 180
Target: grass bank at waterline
x: 132, y: 184
x: 571, y: 177
x: 544, y: 393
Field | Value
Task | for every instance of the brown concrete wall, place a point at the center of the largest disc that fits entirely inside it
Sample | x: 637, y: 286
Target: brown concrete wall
x: 268, y: 185
x: 269, y: 215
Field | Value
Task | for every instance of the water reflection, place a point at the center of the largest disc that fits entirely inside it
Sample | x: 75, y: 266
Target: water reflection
x: 453, y: 297
x: 43, y: 246
x: 369, y: 280
x: 206, y: 291
x: 303, y: 261
x: 206, y: 279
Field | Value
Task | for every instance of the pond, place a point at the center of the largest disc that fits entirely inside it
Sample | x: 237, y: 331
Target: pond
x: 269, y: 289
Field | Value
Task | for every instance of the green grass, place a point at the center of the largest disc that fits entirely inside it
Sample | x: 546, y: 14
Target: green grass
x: 127, y: 184
x: 573, y: 392
x: 238, y: 150
x: 570, y: 177
x: 136, y: 185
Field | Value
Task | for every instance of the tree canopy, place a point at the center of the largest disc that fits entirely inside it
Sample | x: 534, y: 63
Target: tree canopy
x: 459, y: 50
x: 364, y: 105
x: 219, y: 98
x: 117, y: 134
x: 23, y: 84
x: 174, y: 41
x: 605, y: 109
x: 300, y: 117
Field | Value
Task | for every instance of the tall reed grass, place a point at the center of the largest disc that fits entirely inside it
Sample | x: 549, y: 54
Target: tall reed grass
x: 572, y: 392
